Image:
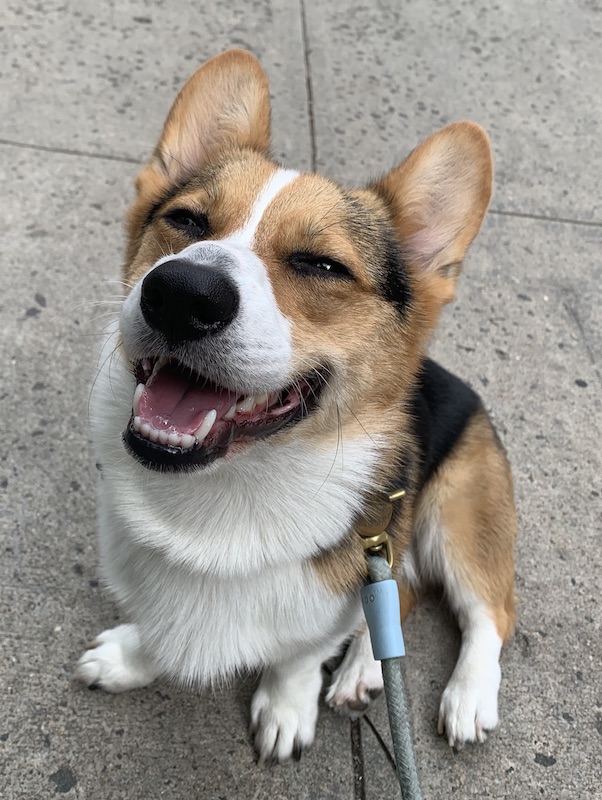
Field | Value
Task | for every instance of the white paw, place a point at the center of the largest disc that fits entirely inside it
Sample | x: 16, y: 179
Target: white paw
x: 113, y: 662
x: 358, y: 680
x: 469, y: 705
x: 282, y: 724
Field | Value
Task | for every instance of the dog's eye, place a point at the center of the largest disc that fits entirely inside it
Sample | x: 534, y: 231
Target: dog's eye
x: 319, y: 266
x: 195, y: 225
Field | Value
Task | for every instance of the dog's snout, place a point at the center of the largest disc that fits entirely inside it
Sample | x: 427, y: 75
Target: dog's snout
x: 186, y: 301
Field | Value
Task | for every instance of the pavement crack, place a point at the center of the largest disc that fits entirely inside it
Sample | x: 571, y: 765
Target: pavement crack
x: 572, y: 312
x: 543, y: 218
x: 381, y: 742
x: 69, y: 151
x: 308, y: 86
x: 357, y: 756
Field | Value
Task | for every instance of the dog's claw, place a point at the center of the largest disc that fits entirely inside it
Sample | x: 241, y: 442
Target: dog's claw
x: 357, y: 706
x: 297, y: 750
x: 280, y: 732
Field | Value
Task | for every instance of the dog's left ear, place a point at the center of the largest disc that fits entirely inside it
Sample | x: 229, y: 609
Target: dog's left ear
x: 438, y: 198
x: 224, y: 105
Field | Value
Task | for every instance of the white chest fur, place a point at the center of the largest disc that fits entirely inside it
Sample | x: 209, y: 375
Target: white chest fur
x: 213, y: 565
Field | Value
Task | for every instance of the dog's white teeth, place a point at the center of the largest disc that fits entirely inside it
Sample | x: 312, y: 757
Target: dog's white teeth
x: 160, y: 362
x: 187, y: 441
x: 206, y: 425
x: 184, y: 440
x: 137, y: 395
x: 147, y: 366
x: 231, y: 412
x: 248, y: 404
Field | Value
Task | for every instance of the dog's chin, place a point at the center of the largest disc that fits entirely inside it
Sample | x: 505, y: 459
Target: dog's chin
x: 171, y: 458
x: 170, y: 400
x: 168, y: 458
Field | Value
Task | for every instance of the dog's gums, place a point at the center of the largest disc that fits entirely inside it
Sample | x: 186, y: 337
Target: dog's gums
x: 182, y: 421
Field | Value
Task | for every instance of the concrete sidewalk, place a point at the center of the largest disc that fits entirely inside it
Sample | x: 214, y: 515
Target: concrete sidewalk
x: 85, y: 87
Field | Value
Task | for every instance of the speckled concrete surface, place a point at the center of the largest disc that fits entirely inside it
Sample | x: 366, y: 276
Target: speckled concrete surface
x: 85, y: 87
x: 84, y: 75
x: 389, y: 73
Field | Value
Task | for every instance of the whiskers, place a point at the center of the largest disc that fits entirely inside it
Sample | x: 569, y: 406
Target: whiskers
x: 115, y: 344
x: 322, y: 376
x: 186, y: 171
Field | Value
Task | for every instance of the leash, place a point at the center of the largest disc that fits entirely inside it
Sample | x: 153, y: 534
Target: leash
x: 380, y: 599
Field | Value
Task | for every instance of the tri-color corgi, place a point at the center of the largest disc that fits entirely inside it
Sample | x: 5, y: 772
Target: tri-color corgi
x: 265, y: 381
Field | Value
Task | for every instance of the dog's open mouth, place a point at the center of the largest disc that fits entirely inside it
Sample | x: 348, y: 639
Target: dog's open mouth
x: 182, y: 421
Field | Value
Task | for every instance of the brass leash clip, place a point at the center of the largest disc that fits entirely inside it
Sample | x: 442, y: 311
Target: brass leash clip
x: 372, y: 526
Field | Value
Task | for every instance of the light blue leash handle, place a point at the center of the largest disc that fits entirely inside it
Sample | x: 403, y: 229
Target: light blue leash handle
x: 381, y: 607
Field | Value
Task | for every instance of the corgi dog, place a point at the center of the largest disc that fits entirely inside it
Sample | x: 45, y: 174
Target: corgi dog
x: 266, y: 381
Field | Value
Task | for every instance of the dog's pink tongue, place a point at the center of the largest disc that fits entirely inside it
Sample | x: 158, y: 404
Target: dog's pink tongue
x: 172, y: 402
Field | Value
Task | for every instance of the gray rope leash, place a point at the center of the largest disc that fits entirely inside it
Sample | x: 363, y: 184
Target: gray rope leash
x: 397, y: 705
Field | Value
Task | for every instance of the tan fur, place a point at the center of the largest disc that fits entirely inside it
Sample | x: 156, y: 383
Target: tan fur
x: 407, y: 600
x: 224, y: 106
x: 226, y: 193
x: 328, y: 283
x: 440, y: 194
x: 473, y: 492
x: 212, y: 158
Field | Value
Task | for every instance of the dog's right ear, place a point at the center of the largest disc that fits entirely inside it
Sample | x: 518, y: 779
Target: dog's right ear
x: 224, y: 105
x: 438, y: 198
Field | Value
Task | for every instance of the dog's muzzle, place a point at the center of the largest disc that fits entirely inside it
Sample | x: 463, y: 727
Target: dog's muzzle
x: 181, y: 418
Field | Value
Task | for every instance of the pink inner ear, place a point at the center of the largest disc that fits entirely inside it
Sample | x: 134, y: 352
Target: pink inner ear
x: 424, y: 246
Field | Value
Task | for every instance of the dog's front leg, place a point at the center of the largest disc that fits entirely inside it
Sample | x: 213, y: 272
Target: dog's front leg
x: 116, y: 662
x: 285, y: 708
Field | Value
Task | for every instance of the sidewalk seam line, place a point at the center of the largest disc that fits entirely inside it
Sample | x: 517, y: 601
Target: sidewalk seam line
x: 573, y: 313
x: 357, y: 760
x: 381, y: 742
x: 308, y: 86
x: 544, y: 218
x: 69, y: 152
x: 131, y: 160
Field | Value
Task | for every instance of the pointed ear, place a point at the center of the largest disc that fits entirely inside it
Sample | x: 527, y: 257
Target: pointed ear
x: 224, y: 105
x: 438, y: 198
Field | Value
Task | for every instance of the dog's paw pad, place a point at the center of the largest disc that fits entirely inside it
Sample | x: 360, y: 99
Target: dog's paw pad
x: 281, y: 730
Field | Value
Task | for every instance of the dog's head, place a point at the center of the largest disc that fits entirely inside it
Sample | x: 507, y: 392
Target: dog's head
x: 265, y: 301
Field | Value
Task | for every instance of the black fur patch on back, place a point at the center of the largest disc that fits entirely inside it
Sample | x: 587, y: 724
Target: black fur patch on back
x: 442, y: 407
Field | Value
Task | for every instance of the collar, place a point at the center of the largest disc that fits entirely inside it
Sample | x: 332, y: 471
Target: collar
x: 373, y: 523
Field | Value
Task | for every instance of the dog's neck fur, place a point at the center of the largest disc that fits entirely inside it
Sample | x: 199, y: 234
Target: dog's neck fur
x: 275, y: 502
x: 238, y: 540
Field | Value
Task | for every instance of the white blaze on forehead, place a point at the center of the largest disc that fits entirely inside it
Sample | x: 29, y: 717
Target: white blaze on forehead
x: 245, y: 235
x: 254, y: 352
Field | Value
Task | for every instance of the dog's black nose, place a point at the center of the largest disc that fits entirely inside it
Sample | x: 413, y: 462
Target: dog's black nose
x: 187, y: 301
